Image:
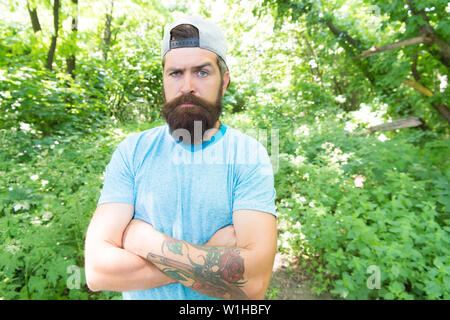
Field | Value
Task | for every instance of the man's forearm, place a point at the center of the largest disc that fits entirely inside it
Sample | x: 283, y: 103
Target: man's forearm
x: 107, y: 265
x: 214, y: 271
x: 115, y: 269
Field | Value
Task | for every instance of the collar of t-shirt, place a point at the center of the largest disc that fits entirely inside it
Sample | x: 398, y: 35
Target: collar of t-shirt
x: 196, y: 147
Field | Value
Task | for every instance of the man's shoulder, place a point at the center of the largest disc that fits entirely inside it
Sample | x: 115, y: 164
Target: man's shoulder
x: 248, y: 147
x: 144, y: 136
x: 249, y: 137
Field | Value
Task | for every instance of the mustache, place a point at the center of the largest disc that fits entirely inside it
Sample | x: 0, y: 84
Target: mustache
x: 188, y: 98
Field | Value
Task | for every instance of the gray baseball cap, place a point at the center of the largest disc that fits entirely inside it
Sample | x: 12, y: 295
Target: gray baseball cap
x: 210, y: 37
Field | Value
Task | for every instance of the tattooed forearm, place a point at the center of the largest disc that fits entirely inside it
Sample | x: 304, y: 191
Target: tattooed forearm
x: 214, y: 271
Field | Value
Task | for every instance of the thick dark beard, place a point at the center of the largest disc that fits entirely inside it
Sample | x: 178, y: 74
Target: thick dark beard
x: 203, y: 113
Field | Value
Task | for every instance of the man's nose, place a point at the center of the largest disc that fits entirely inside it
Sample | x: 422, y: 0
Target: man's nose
x: 188, y: 84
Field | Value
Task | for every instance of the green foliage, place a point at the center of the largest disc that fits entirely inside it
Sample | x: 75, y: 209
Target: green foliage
x: 357, y: 26
x: 345, y: 202
x: 46, y: 102
x: 353, y: 202
x: 46, y: 202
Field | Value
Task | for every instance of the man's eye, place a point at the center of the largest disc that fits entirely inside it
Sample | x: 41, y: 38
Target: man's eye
x: 175, y: 73
x: 202, y: 73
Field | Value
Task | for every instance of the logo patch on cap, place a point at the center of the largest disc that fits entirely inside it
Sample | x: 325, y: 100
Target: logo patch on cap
x: 180, y: 43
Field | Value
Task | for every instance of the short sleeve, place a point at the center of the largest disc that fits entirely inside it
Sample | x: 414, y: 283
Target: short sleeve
x: 254, y: 188
x: 119, y: 177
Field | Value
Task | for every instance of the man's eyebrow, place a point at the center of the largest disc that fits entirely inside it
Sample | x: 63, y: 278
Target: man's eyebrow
x: 201, y: 66
x: 204, y: 65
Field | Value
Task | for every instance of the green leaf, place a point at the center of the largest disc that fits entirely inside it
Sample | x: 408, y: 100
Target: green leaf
x: 175, y: 275
x: 396, y: 287
x: 175, y: 247
x: 37, y: 284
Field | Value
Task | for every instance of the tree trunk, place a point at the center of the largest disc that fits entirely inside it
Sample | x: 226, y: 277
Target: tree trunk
x: 339, y: 33
x: 107, y: 33
x: 393, y: 125
x: 374, y: 50
x: 311, y: 53
x: 71, y: 60
x: 51, y: 51
x: 442, y: 109
x: 351, y: 46
x: 437, y: 47
x: 34, y: 18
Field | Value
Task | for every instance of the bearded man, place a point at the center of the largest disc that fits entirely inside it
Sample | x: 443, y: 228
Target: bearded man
x: 200, y: 228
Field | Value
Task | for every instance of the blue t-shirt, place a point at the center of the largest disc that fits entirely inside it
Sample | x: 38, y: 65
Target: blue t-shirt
x: 188, y: 192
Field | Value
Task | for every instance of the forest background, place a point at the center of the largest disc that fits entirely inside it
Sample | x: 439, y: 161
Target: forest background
x: 363, y: 209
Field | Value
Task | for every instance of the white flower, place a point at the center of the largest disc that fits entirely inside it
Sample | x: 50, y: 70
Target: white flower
x: 359, y: 181
x: 327, y: 146
x: 382, y: 138
x: 47, y: 215
x: 34, y: 177
x: 298, y: 160
x: 19, y: 206
x: 312, y: 63
x: 340, y: 99
x: 44, y: 183
x: 350, y: 126
x: 25, y: 126
x: 36, y: 221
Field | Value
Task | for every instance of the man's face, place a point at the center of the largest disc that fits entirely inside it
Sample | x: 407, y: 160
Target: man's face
x: 193, y: 89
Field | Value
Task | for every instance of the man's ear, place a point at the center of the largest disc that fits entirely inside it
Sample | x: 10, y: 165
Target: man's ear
x: 225, y: 82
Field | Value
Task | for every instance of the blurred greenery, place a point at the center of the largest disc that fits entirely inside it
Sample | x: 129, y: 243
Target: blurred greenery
x: 345, y: 201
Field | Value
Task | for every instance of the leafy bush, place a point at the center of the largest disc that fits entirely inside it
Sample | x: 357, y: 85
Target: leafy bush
x: 125, y: 86
x: 352, y: 202
x: 128, y: 84
x: 48, y: 193
x: 46, y: 101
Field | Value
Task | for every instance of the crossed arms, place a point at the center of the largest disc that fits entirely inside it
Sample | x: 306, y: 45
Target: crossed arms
x: 124, y: 254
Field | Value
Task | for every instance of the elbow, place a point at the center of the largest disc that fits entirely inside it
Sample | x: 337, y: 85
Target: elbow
x: 95, y: 270
x: 93, y: 279
x: 94, y: 273
x: 257, y: 295
x: 258, y: 289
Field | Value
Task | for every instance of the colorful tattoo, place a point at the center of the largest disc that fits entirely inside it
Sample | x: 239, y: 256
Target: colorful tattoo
x: 213, y: 271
